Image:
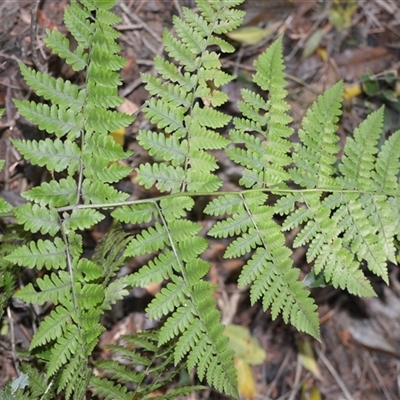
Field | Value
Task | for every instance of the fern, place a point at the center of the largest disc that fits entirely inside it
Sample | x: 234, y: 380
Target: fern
x: 81, y: 119
x: 147, y: 354
x: 345, y: 212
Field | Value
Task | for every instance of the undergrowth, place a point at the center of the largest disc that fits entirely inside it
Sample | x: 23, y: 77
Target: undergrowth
x: 344, y: 211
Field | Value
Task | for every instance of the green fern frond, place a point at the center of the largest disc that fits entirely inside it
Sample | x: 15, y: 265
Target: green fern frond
x: 59, y: 91
x: 175, y: 95
x: 135, y: 214
x: 100, y: 193
x: 53, y: 194
x: 55, y: 155
x: 346, y: 212
x: 36, y: 218
x: 167, y: 177
x: 60, y: 45
x: 89, y: 157
x: 265, y: 160
x: 269, y: 271
x: 54, y: 287
x: 155, y: 361
x: 316, y: 155
x: 359, y: 157
x: 66, y: 346
x: 81, y: 219
x: 168, y: 147
x: 179, y: 262
x: 183, y: 106
x: 109, y: 390
x: 52, y: 327
x: 387, y: 165
x: 41, y: 254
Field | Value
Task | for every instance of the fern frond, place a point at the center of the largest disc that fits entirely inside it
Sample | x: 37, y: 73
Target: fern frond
x: 387, y: 165
x: 184, y: 105
x: 52, y: 327
x: 175, y: 95
x: 60, y: 45
x: 54, y: 287
x: 66, y: 345
x: 269, y: 270
x: 179, y: 262
x: 77, y: 20
x: 326, y: 248
x: 41, y: 254
x: 55, y: 155
x: 316, y: 155
x: 53, y: 194
x: 359, y: 234
x: 135, y: 214
x: 59, y: 91
x: 169, y: 148
x: 81, y: 219
x: 154, y: 361
x: 359, y: 157
x: 109, y: 390
x: 55, y: 119
x: 167, y: 177
x: 36, y: 218
x: 379, y: 213
x: 100, y: 193
x: 265, y: 160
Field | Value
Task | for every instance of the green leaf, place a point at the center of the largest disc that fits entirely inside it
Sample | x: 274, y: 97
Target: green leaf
x: 43, y: 253
x: 53, y: 194
x: 36, y: 218
x: 60, y: 45
x: 59, y: 91
x: 81, y: 218
x: 55, y: 155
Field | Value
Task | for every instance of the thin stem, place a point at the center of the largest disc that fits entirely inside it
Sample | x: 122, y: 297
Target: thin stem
x: 216, y: 194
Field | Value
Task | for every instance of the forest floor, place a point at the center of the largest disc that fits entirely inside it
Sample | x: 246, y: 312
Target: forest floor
x: 358, y: 357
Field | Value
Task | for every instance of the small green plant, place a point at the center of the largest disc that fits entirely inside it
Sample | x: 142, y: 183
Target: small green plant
x: 346, y: 212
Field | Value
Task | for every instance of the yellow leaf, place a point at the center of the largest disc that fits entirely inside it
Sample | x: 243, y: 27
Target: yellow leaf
x: 322, y: 53
x: 307, y: 357
x: 310, y: 393
x: 341, y: 13
x: 246, y: 384
x: 118, y: 136
x: 249, y: 35
x: 244, y: 345
x: 351, y: 91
